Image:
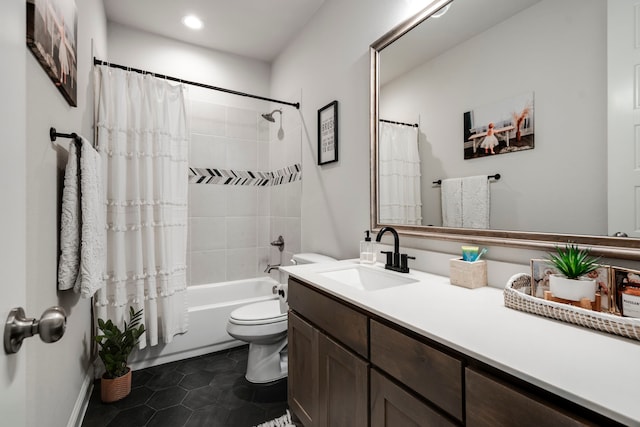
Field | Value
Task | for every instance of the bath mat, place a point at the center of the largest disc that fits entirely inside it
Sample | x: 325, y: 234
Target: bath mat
x: 283, y: 421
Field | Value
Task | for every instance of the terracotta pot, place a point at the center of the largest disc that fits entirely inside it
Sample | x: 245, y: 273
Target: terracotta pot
x: 114, y: 389
x: 572, y: 289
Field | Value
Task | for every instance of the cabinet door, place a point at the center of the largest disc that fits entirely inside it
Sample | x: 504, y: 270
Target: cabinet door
x: 344, y: 383
x: 345, y: 324
x: 303, y: 370
x: 429, y: 372
x: 392, y: 406
x: 492, y: 403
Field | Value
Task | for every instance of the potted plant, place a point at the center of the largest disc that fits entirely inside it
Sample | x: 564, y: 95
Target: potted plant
x: 115, y: 348
x: 573, y: 264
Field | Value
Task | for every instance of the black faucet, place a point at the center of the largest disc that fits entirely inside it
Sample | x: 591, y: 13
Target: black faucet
x: 395, y: 260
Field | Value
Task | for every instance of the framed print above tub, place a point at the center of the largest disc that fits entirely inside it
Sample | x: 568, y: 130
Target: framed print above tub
x: 328, y: 133
x: 52, y: 27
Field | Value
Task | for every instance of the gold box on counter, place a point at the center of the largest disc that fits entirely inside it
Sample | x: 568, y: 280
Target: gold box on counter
x: 468, y: 274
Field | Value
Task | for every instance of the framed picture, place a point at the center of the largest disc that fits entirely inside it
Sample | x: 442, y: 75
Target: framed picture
x: 501, y: 127
x: 540, y: 272
x: 52, y: 38
x: 626, y: 288
x: 328, y: 133
x: 541, y: 269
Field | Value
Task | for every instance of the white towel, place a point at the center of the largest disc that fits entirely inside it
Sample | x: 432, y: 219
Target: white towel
x: 475, y: 202
x: 82, y: 232
x: 69, y: 225
x: 451, y: 194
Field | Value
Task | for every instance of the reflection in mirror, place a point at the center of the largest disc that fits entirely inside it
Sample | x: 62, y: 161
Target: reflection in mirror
x: 453, y: 76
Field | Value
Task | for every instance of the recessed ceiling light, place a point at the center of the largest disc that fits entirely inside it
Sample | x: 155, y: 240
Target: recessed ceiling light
x: 441, y: 12
x: 192, y: 22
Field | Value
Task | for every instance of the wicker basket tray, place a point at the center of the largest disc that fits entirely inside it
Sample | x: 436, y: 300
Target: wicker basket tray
x: 516, y: 297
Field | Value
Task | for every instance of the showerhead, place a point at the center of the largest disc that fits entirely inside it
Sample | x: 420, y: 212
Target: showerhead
x: 269, y: 116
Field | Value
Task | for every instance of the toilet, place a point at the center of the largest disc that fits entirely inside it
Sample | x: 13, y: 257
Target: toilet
x: 264, y: 326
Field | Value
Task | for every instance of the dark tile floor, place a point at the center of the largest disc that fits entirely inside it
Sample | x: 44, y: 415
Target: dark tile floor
x: 208, y: 390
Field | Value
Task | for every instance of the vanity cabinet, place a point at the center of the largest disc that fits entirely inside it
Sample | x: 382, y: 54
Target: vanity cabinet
x: 431, y: 373
x: 492, y: 402
x: 393, y: 406
x: 350, y: 367
x: 328, y: 376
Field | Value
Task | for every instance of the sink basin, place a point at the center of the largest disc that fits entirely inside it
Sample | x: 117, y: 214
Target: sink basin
x: 368, y: 278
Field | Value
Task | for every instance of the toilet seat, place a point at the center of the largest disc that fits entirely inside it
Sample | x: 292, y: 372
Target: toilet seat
x: 259, y: 313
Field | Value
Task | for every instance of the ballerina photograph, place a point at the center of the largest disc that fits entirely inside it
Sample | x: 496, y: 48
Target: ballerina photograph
x: 498, y: 128
x: 52, y: 38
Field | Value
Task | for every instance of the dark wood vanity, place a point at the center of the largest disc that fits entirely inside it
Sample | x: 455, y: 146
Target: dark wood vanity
x: 349, y: 367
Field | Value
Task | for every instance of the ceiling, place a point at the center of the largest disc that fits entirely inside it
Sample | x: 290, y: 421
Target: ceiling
x: 258, y: 29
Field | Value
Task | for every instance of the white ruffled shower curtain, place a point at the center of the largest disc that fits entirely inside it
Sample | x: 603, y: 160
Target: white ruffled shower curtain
x: 142, y: 138
x: 399, y: 175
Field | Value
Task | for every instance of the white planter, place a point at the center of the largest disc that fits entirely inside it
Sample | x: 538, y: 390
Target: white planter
x: 572, y: 289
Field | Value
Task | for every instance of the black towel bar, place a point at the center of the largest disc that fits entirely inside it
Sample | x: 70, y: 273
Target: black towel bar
x: 496, y: 177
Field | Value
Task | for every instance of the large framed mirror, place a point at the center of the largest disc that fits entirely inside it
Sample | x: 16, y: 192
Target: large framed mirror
x: 549, y: 80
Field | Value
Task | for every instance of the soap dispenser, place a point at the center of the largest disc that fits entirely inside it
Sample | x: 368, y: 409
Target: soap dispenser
x: 367, y: 250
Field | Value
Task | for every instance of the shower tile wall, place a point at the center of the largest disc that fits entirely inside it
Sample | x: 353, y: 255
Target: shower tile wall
x: 231, y: 225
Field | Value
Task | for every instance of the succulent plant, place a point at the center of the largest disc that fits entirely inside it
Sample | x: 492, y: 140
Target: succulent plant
x: 573, y: 261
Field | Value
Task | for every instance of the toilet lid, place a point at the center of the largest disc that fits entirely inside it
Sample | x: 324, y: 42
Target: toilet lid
x: 260, y: 312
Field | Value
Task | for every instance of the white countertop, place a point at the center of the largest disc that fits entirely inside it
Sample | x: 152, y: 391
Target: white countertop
x: 596, y: 370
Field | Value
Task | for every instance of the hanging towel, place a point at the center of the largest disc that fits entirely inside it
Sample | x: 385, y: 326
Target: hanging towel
x: 451, y: 193
x: 69, y: 224
x: 82, y: 231
x: 475, y: 202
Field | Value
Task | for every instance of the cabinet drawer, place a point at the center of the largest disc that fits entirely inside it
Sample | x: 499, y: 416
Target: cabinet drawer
x: 341, y: 322
x: 392, y: 406
x: 429, y: 372
x: 491, y: 402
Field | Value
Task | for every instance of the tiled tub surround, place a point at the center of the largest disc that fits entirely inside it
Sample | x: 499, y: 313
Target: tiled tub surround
x: 239, y: 177
x: 232, y: 225
x: 570, y: 361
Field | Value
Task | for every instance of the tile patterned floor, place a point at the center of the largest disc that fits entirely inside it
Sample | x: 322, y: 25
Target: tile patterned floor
x: 208, y: 390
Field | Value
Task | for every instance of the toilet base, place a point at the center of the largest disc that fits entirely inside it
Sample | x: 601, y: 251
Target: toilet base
x: 267, y: 362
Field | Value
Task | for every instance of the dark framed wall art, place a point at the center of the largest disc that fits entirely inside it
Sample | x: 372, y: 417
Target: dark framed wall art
x: 328, y: 133
x: 52, y: 27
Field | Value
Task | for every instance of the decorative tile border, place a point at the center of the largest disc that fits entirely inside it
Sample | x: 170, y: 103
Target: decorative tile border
x: 236, y: 177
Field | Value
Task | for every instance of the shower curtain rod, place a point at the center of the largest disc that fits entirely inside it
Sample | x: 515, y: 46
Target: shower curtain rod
x: 415, y: 125
x: 97, y: 61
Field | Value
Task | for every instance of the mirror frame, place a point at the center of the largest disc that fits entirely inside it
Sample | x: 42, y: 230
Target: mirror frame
x: 609, y: 247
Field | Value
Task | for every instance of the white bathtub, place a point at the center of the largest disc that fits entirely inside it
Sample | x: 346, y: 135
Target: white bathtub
x: 209, y: 309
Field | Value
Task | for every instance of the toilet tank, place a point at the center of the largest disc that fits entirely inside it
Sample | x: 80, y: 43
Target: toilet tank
x: 310, y: 258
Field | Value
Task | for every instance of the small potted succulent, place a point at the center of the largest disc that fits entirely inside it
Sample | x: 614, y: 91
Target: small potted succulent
x: 115, y: 348
x: 574, y: 264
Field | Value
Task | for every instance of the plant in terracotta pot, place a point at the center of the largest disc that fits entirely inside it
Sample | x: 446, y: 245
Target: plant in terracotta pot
x: 574, y: 264
x: 115, y: 348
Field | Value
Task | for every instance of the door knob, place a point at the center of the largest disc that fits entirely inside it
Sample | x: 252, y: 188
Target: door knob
x: 50, y: 327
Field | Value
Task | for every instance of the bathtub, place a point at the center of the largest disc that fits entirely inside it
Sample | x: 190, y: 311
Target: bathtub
x: 209, y: 308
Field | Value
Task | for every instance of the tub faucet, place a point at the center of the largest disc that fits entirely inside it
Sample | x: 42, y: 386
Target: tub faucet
x: 395, y: 260
x: 271, y: 267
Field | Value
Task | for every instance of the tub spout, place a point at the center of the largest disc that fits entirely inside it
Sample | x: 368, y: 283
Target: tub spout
x: 271, y: 267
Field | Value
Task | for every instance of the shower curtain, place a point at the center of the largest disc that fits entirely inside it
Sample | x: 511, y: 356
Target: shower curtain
x: 399, y: 175
x: 142, y: 137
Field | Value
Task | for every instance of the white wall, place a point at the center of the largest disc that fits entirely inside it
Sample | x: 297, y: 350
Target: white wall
x: 329, y: 60
x: 58, y: 373
x: 162, y: 55
x: 513, y: 58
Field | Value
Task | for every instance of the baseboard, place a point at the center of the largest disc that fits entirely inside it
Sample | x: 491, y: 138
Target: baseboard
x: 82, y: 402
